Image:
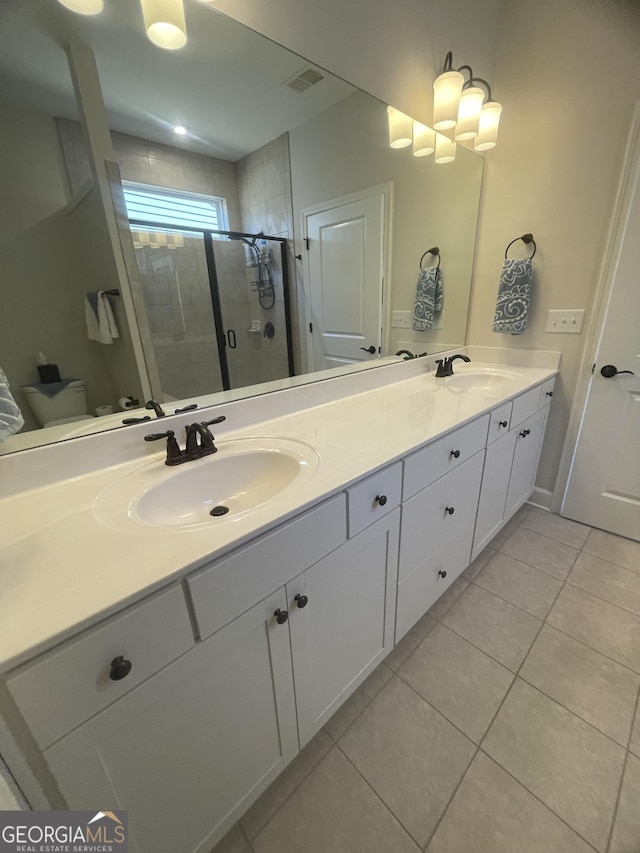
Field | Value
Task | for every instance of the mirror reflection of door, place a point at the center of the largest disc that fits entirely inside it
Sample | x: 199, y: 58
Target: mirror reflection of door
x: 345, y: 262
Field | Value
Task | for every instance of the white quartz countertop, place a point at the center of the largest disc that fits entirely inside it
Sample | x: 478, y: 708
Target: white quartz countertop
x: 62, y: 568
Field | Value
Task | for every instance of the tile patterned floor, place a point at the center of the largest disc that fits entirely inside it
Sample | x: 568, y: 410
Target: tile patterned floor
x: 506, y: 721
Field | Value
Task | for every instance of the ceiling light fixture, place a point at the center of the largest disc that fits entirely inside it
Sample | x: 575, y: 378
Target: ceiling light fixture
x: 83, y: 7
x: 467, y: 107
x: 165, y: 23
x: 180, y: 129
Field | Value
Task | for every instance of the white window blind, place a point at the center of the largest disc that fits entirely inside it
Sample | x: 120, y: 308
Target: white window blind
x: 172, y: 208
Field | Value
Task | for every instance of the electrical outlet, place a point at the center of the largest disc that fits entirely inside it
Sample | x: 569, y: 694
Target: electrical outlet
x: 401, y: 319
x: 568, y: 322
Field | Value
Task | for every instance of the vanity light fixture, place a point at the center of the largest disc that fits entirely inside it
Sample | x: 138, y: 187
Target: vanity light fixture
x: 445, y: 149
x: 83, y: 7
x: 466, y: 107
x: 400, y: 128
x: 165, y: 23
x: 424, y: 140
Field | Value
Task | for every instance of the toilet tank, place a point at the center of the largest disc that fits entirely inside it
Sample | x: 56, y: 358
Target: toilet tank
x: 70, y: 402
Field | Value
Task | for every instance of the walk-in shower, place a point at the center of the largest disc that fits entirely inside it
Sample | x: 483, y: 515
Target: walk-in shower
x: 217, y: 307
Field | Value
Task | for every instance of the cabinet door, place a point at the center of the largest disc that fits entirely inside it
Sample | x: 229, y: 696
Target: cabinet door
x: 190, y: 749
x: 344, y: 628
x: 525, y: 460
x: 493, y: 492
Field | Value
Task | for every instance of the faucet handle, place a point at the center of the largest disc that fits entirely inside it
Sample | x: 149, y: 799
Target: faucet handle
x: 174, y: 455
x: 217, y: 420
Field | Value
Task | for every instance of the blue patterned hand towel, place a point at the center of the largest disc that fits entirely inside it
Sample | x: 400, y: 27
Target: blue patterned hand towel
x: 11, y: 419
x: 429, y: 298
x: 514, y: 296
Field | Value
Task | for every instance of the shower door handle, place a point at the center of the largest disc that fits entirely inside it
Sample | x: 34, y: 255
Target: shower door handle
x: 231, y: 339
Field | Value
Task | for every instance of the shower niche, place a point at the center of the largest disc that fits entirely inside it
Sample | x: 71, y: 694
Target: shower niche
x: 217, y: 309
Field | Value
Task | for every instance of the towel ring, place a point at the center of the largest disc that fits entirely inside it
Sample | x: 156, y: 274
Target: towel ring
x: 526, y: 238
x: 434, y: 251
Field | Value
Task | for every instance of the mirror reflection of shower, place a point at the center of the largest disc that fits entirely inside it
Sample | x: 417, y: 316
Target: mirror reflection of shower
x: 211, y: 300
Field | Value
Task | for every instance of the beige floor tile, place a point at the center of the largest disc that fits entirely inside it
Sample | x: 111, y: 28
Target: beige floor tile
x: 353, y: 707
x: 501, y: 630
x: 634, y: 744
x: 277, y: 793
x: 592, y: 686
x: 492, y: 813
x: 555, y: 527
x: 540, y: 552
x: 410, y: 755
x: 571, y: 767
x: 614, y: 549
x: 626, y: 828
x: 233, y: 842
x: 606, y: 580
x: 479, y: 563
x: 527, y: 588
x: 447, y: 599
x: 604, y: 627
x: 460, y: 681
x: 409, y: 642
x: 334, y: 811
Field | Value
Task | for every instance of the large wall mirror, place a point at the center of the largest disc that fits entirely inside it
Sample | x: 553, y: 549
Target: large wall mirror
x: 302, y: 231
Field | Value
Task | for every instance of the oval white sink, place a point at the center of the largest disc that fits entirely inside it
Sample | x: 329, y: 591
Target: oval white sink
x: 242, y: 476
x: 481, y: 379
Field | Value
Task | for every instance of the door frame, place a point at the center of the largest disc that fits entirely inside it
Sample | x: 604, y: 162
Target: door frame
x: 385, y: 190
x: 613, y: 246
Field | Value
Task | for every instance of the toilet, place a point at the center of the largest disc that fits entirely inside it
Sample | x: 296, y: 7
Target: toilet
x: 66, y: 406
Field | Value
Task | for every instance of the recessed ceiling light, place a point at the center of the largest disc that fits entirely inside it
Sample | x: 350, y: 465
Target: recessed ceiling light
x: 180, y: 130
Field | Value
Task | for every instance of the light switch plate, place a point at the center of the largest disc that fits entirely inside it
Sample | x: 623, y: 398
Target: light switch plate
x: 566, y: 322
x: 401, y: 319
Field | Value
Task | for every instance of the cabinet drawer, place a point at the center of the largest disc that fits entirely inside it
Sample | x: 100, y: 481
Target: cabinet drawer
x: 546, y: 392
x: 525, y: 405
x: 427, y: 465
x: 235, y: 583
x: 499, y: 421
x: 428, y: 581
x: 374, y: 497
x: 444, y: 512
x: 63, y: 689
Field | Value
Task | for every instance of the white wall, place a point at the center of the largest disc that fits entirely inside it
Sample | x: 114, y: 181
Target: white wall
x: 568, y: 90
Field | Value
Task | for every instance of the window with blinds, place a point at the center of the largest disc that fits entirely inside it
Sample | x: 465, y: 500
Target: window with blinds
x: 161, y: 207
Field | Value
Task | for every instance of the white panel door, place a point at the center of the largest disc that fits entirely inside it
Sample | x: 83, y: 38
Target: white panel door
x: 604, y: 484
x: 345, y: 273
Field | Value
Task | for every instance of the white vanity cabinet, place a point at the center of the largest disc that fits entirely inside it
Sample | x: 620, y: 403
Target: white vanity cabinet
x: 511, y: 461
x: 342, y: 613
x: 189, y: 750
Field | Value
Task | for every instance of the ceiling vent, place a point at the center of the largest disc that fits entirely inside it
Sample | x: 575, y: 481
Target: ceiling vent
x: 304, y: 79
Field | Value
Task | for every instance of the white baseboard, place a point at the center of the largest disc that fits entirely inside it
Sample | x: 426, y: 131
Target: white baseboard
x: 541, y: 498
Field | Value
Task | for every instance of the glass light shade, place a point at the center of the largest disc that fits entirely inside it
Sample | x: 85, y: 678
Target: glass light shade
x: 400, y: 128
x: 83, y: 7
x: 424, y: 140
x: 469, y: 113
x: 488, y: 128
x: 164, y: 22
x: 445, y: 149
x: 446, y: 97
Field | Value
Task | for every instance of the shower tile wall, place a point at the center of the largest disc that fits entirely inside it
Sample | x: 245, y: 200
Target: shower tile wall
x: 264, y: 190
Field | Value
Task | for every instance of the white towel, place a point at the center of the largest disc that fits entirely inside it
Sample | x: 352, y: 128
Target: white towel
x: 101, y: 324
x: 11, y: 419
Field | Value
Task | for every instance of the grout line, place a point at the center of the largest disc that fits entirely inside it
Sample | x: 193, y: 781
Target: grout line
x: 623, y: 774
x: 246, y: 838
x: 606, y: 600
x: 364, y: 707
x: 451, y: 798
x: 377, y: 795
x: 542, y: 802
x: 593, y: 648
